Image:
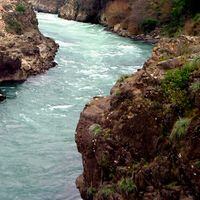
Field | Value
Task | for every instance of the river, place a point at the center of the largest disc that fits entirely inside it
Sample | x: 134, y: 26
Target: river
x: 38, y: 155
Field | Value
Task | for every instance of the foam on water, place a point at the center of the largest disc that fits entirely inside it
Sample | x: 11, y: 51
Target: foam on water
x: 38, y: 155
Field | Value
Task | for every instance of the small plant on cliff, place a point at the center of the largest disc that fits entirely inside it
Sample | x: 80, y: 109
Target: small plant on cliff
x: 122, y: 78
x: 197, y: 164
x: 105, y: 160
x: 180, y: 128
x: 117, y: 92
x: 171, y: 185
x: 107, y: 191
x: 196, y: 18
x: 195, y: 86
x: 95, y: 129
x: 91, y: 191
x: 126, y: 185
x: 20, y: 8
x: 13, y: 26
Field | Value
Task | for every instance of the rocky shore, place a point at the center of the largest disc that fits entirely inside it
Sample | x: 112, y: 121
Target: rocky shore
x: 141, y: 142
x: 24, y: 51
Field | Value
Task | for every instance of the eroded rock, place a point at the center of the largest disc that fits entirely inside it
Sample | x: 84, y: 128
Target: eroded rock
x: 24, y: 51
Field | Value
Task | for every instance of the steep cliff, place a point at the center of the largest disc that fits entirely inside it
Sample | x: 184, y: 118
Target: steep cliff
x: 142, y: 141
x: 24, y: 50
x: 82, y: 10
x: 47, y: 6
x: 142, y: 18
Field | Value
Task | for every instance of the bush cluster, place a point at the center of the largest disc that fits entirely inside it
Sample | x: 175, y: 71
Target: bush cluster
x: 175, y: 84
x: 149, y: 25
x: 20, y: 8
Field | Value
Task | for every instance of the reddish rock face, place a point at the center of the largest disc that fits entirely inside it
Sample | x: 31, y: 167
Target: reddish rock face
x: 127, y: 140
x: 24, y: 50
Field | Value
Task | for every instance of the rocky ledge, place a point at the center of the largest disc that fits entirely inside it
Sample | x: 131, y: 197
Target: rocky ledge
x: 142, y: 141
x: 24, y: 51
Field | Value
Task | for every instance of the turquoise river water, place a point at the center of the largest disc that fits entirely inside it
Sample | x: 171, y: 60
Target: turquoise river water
x: 38, y: 155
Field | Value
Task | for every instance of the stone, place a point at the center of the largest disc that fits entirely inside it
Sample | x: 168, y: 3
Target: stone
x: 2, y: 97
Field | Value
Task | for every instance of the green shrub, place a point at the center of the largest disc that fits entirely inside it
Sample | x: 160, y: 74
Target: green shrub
x: 197, y: 164
x: 196, y: 18
x: 175, y: 83
x: 91, y: 191
x: 117, y: 92
x: 181, y: 9
x: 105, y: 160
x: 122, y: 78
x: 180, y: 128
x: 95, y: 129
x: 20, y: 8
x: 127, y: 185
x: 178, y: 7
x: 195, y: 86
x: 149, y: 25
x: 107, y: 191
x: 171, y: 185
x: 14, y: 26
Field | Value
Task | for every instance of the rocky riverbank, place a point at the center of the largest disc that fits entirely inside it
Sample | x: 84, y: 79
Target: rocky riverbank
x: 145, y: 20
x: 141, y: 142
x: 24, y: 51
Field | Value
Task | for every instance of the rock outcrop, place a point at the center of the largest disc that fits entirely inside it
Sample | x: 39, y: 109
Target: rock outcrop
x: 82, y: 10
x: 142, y: 141
x: 2, y: 97
x: 47, y: 6
x: 24, y: 51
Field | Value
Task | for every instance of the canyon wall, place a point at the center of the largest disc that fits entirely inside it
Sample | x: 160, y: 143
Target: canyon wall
x: 47, y: 6
x: 24, y: 51
x: 139, y: 19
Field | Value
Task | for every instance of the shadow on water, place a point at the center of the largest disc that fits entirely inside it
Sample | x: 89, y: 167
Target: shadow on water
x: 10, y: 89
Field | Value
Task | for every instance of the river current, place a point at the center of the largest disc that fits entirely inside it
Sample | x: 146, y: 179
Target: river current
x: 38, y: 155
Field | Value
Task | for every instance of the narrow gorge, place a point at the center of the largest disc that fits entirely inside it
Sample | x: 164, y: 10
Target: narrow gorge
x: 39, y: 158
x: 138, y: 139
